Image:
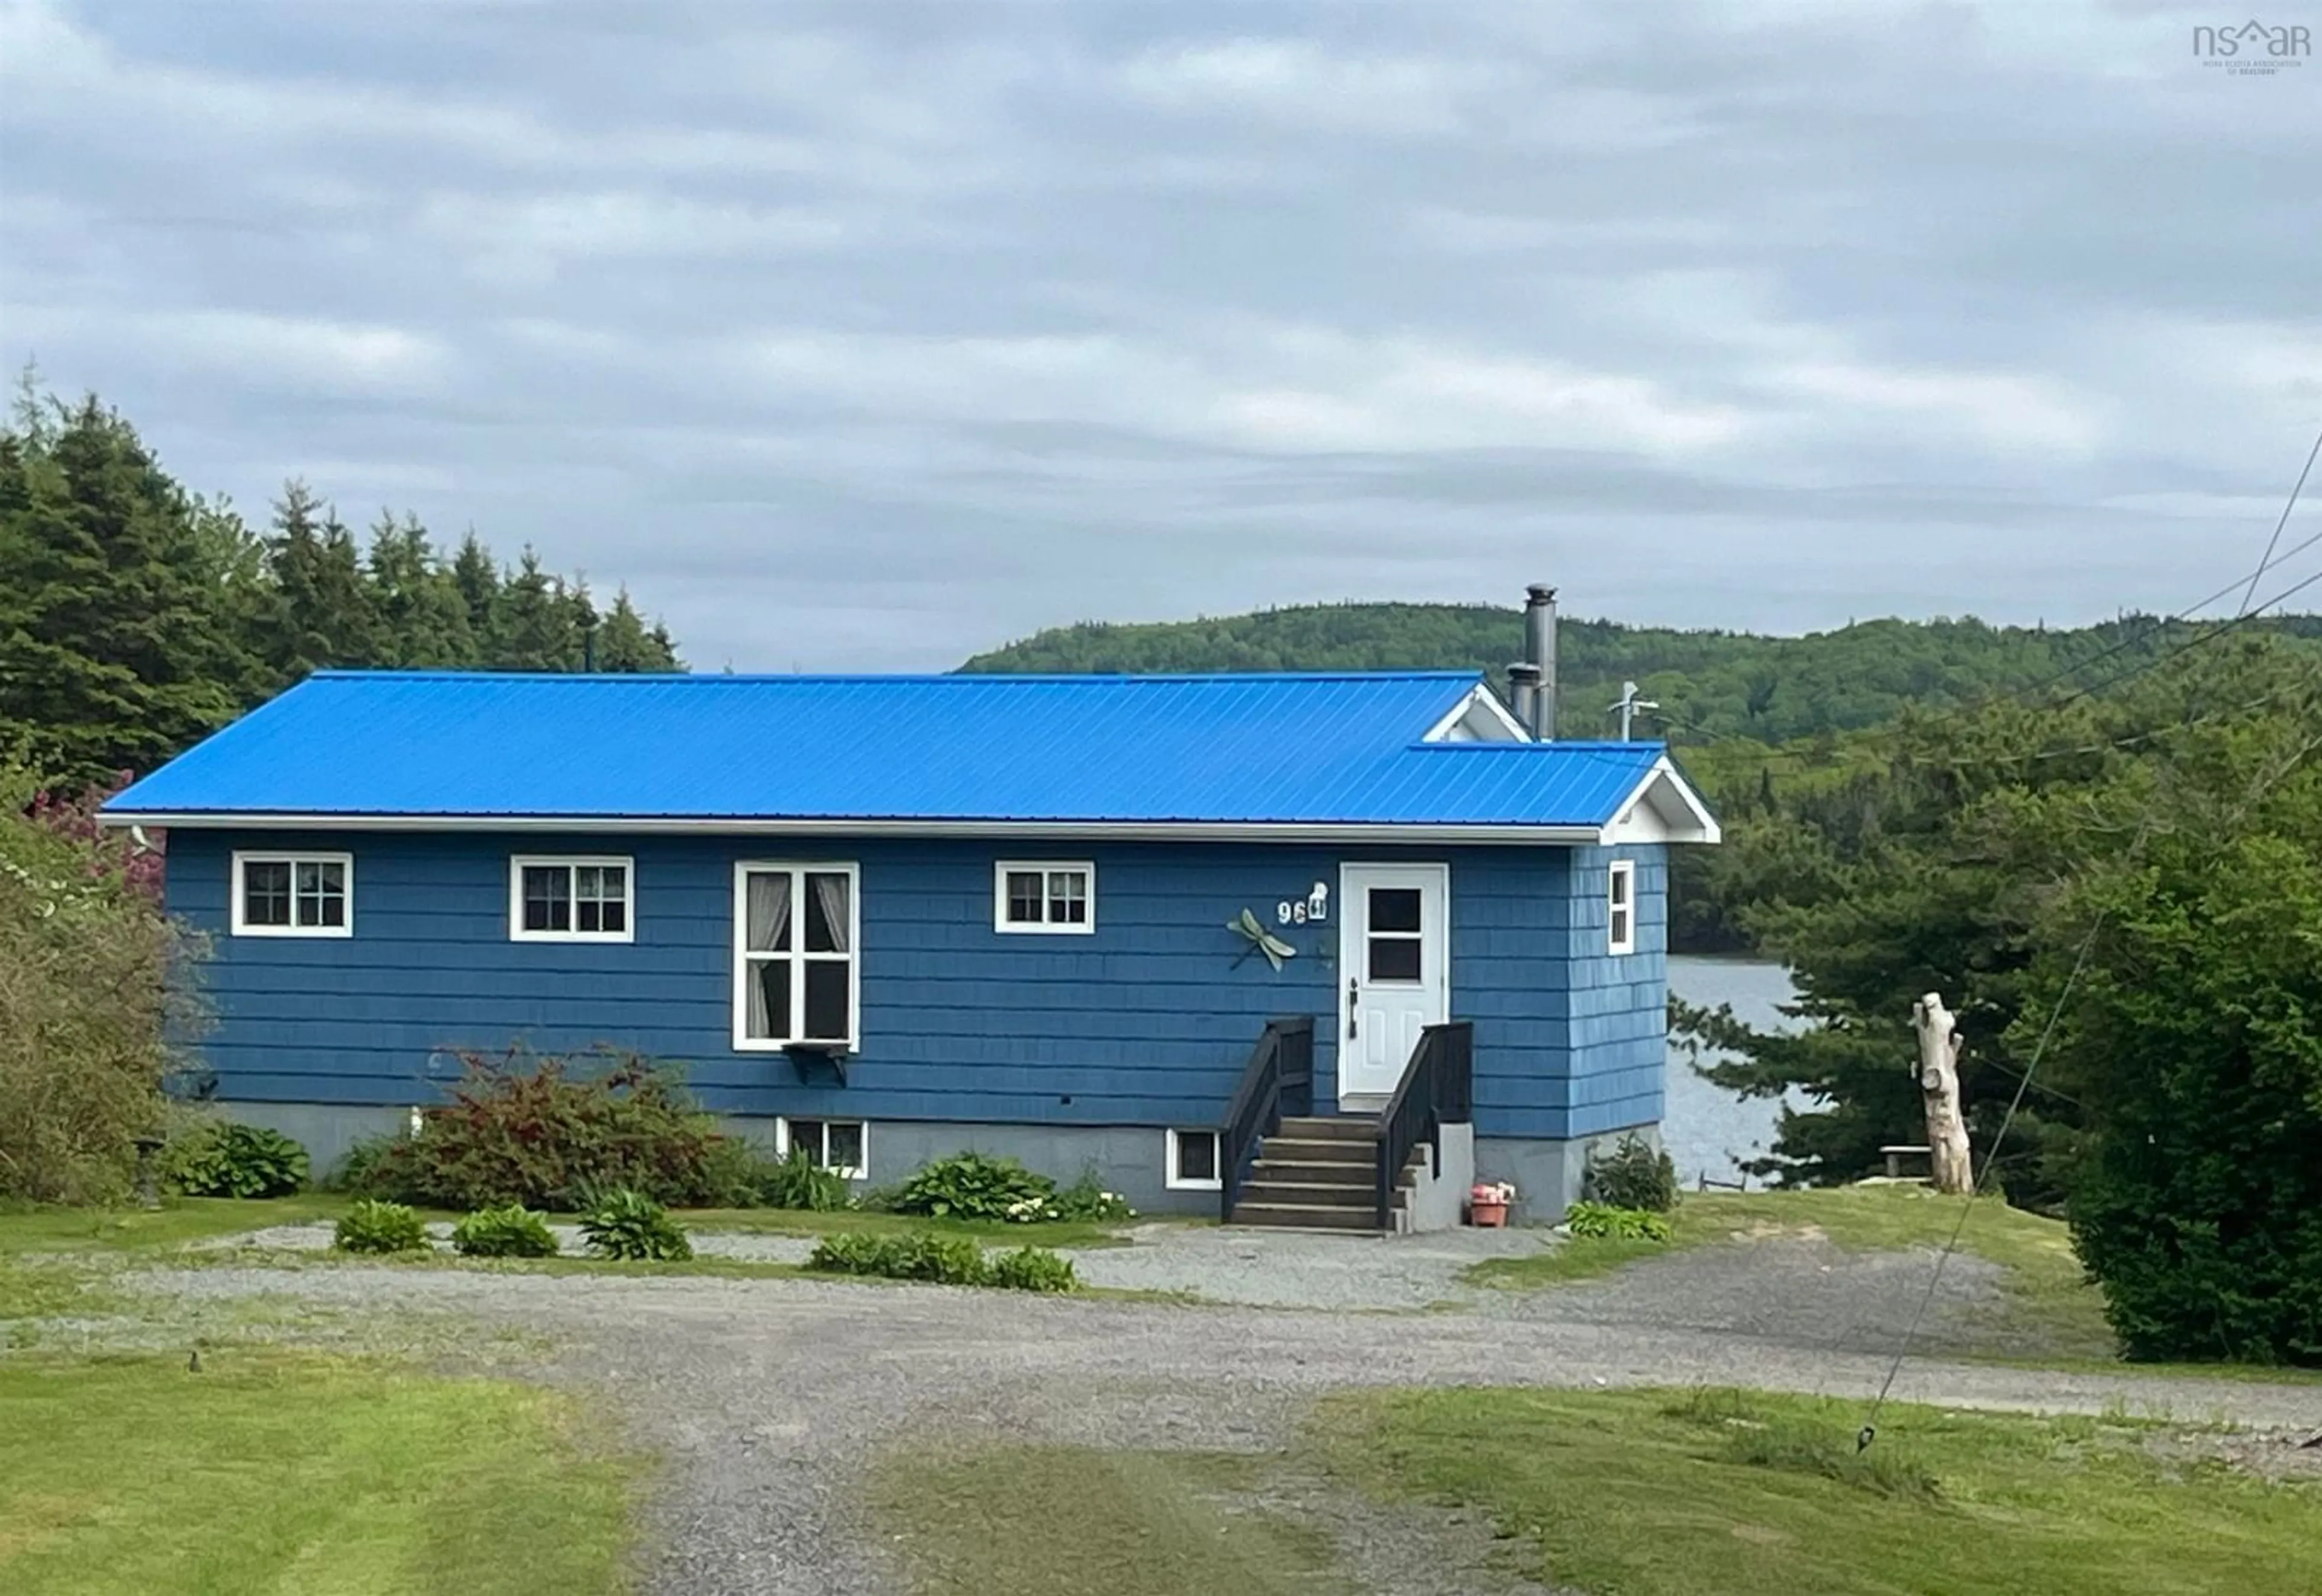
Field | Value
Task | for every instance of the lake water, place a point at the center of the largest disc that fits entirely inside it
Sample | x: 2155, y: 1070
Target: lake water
x: 1707, y: 1131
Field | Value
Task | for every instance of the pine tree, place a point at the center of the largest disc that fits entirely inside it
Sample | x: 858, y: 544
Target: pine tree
x: 116, y: 640
x: 537, y: 633
x: 478, y: 579
x: 421, y: 610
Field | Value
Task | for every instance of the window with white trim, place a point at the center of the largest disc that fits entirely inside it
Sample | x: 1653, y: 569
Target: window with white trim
x: 840, y: 1145
x: 572, y: 899
x: 1621, y: 905
x: 1192, y: 1161
x: 1057, y: 897
x: 795, y: 934
x: 294, y: 894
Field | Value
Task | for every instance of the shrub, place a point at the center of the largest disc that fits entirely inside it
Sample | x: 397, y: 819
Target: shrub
x: 89, y: 1013
x: 214, y: 1160
x: 972, y: 1186
x: 625, y: 1223
x: 1635, y: 1174
x: 1618, y: 1224
x: 539, y: 1132
x: 946, y: 1259
x: 358, y: 1166
x: 1033, y: 1268
x: 511, y: 1231
x: 797, y: 1181
x: 1087, y: 1200
x: 374, y: 1227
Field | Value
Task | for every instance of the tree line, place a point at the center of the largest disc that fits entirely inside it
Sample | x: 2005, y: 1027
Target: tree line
x: 1712, y: 685
x: 137, y: 617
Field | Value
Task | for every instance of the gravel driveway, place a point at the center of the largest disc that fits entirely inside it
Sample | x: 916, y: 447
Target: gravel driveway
x: 766, y: 1396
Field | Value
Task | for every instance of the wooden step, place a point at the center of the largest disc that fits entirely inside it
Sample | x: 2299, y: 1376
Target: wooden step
x: 1330, y: 1127
x: 1319, y: 1150
x: 1302, y: 1216
x: 1265, y: 1192
x: 1315, y: 1172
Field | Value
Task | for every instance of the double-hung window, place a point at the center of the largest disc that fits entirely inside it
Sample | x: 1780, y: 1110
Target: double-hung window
x: 1621, y: 905
x: 1044, y: 895
x: 294, y: 894
x: 795, y: 932
x: 572, y: 900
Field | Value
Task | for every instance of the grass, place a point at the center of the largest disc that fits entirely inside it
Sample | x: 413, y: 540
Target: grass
x: 1062, y: 1232
x: 1064, y: 1521
x: 2048, y: 1298
x: 1696, y: 1494
x: 278, y: 1471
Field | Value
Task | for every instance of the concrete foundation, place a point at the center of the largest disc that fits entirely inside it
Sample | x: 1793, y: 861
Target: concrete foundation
x: 1547, y: 1176
x: 1132, y: 1159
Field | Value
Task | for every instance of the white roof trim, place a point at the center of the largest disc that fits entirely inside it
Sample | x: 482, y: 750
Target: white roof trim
x: 1663, y: 809
x: 1499, y: 723
x: 1123, y: 830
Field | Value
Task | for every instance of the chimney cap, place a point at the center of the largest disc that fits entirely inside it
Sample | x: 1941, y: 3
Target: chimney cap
x: 1541, y: 593
x: 1523, y: 670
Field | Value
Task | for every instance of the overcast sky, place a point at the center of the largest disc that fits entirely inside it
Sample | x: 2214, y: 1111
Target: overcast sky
x: 866, y: 335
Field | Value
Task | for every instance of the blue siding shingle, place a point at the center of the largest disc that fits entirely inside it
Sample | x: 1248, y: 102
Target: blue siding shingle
x: 1146, y: 1021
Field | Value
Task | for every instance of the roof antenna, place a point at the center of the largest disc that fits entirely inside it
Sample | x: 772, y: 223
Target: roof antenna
x: 1628, y: 707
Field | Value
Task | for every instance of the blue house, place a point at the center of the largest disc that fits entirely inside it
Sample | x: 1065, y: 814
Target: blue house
x: 1275, y: 945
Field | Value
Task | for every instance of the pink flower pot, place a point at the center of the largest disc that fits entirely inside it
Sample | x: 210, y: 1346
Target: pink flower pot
x: 1488, y: 1215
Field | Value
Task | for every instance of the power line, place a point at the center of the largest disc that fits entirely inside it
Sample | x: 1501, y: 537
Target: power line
x: 2150, y: 817
x: 2270, y: 543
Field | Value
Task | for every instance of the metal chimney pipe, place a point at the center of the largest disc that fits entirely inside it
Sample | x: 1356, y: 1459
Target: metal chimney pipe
x: 1523, y: 692
x: 1539, y: 649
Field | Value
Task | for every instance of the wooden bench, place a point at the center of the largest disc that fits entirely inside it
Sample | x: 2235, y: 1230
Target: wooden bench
x: 1902, y: 1150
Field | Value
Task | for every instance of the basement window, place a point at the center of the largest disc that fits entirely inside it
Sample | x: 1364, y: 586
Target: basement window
x: 294, y: 894
x: 1621, y: 904
x: 840, y: 1145
x: 1192, y: 1161
x: 1051, y: 896
x: 572, y: 900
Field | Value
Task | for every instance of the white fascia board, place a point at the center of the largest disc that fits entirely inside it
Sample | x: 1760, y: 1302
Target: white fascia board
x: 1123, y: 831
x: 1693, y: 823
x: 1480, y: 699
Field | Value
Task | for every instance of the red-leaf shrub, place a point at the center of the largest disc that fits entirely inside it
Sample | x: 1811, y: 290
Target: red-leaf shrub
x: 545, y: 1132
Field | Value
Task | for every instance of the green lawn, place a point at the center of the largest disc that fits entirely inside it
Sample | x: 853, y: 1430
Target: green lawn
x: 1642, y: 1493
x: 2047, y: 1295
x: 1070, y: 1521
x: 1699, y: 1494
x: 275, y: 1472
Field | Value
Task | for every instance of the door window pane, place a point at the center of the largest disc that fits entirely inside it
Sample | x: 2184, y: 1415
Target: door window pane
x: 1394, y: 958
x: 1395, y: 908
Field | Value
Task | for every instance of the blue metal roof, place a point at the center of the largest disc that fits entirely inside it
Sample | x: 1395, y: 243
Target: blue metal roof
x: 1272, y: 750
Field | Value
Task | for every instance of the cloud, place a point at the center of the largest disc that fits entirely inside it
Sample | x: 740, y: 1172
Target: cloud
x: 869, y: 336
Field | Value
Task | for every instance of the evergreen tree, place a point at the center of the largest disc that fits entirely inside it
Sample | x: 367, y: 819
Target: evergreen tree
x: 116, y: 642
x: 625, y: 643
x: 536, y: 631
x: 478, y: 579
x: 422, y: 612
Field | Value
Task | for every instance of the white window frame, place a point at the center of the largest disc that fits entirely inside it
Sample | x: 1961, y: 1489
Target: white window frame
x: 798, y: 869
x: 1621, y: 906
x: 1177, y: 1182
x: 520, y: 862
x: 861, y: 1171
x: 1002, y: 869
x: 294, y: 858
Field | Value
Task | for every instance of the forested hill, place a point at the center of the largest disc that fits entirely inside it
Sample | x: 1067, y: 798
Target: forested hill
x: 136, y: 616
x: 1710, y: 685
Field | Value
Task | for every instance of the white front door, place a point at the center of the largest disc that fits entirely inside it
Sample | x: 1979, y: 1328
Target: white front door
x: 1394, y: 973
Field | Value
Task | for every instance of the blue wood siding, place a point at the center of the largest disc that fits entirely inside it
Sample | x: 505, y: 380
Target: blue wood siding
x: 1147, y: 1021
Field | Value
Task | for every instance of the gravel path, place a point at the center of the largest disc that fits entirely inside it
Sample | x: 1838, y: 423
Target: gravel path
x: 766, y: 1396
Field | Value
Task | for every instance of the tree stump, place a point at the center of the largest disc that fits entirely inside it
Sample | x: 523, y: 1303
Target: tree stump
x: 1939, y: 1049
